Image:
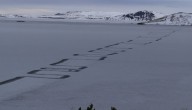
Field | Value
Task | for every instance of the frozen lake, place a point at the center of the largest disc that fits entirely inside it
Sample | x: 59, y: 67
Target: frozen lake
x: 62, y: 66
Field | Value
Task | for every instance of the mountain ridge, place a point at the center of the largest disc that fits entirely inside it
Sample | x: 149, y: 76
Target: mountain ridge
x: 139, y: 17
x: 180, y: 18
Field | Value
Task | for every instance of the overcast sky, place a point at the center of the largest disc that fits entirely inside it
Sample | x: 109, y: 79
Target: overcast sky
x: 89, y: 1
x: 168, y: 6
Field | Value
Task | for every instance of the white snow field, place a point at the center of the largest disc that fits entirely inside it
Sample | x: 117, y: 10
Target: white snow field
x: 62, y: 66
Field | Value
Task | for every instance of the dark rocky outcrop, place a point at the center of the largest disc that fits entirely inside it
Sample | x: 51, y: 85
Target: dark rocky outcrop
x: 140, y: 16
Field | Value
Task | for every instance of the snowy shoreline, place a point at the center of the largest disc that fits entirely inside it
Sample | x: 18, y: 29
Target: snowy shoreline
x: 49, y: 21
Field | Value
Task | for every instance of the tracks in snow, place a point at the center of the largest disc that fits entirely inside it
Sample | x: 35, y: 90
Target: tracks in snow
x: 78, y: 62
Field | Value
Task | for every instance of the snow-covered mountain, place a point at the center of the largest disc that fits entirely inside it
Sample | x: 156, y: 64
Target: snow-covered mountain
x: 83, y: 15
x: 140, y: 17
x: 180, y: 18
x: 14, y: 16
x: 105, y: 16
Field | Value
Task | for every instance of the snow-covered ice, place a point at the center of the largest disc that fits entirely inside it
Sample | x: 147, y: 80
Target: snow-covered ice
x: 62, y: 66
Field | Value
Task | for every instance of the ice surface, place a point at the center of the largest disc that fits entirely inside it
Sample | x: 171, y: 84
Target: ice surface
x: 145, y: 67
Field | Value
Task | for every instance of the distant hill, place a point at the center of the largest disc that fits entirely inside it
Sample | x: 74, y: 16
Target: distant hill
x: 140, y: 17
x: 180, y: 18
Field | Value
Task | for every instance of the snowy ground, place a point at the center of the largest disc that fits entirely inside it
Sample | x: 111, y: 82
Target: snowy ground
x: 130, y: 67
